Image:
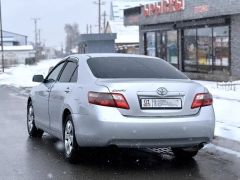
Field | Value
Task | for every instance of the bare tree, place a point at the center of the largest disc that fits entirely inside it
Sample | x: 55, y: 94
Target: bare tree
x: 72, y: 35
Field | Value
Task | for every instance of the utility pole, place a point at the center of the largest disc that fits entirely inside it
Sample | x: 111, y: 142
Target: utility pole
x: 87, y: 29
x: 1, y: 36
x: 36, y: 35
x: 39, y: 36
x: 90, y: 29
x: 99, y: 3
x: 104, y: 21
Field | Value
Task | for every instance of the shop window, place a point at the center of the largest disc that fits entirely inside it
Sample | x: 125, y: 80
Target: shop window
x: 190, y: 50
x: 151, y: 44
x: 172, y: 47
x: 206, y: 49
x: 167, y: 48
x: 221, y: 48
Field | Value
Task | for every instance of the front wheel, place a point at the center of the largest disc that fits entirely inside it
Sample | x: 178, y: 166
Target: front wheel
x: 70, y: 143
x: 185, y: 153
x: 33, y: 131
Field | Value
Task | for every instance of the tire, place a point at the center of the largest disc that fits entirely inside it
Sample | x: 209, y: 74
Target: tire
x: 33, y: 131
x: 69, y: 139
x: 185, y: 153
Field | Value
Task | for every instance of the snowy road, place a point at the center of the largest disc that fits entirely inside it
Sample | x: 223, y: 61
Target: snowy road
x: 27, y: 159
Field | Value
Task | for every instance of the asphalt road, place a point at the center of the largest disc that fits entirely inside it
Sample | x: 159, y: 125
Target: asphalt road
x: 31, y: 159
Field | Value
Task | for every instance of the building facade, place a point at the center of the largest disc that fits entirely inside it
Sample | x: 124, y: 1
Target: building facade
x: 201, y: 38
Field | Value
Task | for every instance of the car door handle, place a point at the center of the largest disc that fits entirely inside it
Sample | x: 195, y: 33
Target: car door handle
x: 67, y: 90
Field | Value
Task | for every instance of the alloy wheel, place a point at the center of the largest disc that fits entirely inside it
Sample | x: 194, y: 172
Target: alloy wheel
x: 30, y: 118
x: 68, y: 140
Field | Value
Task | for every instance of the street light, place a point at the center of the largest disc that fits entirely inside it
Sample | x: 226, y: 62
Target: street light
x: 1, y: 31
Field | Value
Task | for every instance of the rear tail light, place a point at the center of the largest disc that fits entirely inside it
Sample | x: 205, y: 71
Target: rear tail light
x: 201, y: 100
x: 108, y: 99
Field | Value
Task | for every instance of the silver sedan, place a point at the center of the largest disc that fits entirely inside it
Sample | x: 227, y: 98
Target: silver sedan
x: 98, y: 100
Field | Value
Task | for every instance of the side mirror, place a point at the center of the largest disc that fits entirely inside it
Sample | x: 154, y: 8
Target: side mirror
x: 50, y: 69
x: 38, y: 78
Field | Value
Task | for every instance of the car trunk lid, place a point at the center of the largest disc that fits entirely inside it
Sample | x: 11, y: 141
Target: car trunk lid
x: 154, y: 97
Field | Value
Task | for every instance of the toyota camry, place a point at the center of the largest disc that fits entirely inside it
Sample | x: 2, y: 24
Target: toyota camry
x: 101, y: 100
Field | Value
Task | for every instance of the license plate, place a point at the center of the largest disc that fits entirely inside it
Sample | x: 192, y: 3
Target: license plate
x: 161, y: 103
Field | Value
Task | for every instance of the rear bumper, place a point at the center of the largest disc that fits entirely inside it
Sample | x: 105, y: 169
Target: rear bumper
x: 115, y: 129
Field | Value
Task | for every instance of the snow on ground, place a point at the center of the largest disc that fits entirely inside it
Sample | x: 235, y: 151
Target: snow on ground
x: 227, y: 109
x: 21, y: 75
x: 213, y: 149
x: 226, y: 101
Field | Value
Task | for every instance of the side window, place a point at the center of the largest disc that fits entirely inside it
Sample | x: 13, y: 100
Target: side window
x: 74, y: 76
x: 54, y: 74
x: 68, y: 72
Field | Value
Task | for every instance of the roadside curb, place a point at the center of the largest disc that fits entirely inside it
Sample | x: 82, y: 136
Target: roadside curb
x: 226, y: 143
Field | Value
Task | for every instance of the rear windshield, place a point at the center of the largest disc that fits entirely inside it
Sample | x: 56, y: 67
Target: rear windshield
x: 133, y: 67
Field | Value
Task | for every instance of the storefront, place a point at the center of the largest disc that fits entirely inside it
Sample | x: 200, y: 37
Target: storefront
x: 201, y: 38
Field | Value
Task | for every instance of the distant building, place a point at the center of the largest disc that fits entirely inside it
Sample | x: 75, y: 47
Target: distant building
x: 96, y: 43
x: 127, y: 37
x: 14, y: 39
x: 16, y: 48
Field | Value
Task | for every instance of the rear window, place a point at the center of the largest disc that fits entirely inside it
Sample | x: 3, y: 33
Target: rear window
x: 132, y: 67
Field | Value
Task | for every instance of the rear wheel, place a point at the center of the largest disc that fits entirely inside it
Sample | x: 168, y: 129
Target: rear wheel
x: 33, y: 131
x: 185, y: 153
x: 70, y: 143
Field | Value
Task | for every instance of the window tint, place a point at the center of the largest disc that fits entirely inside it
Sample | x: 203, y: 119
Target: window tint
x: 132, y: 67
x: 54, y: 74
x: 68, y: 72
x: 74, y: 76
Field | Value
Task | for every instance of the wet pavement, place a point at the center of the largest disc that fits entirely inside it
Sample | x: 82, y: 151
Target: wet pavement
x: 31, y: 159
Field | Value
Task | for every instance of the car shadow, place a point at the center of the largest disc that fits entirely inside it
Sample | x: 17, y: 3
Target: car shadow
x: 109, y: 161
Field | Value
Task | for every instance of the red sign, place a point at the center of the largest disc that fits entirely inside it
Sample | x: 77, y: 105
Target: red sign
x: 163, y: 7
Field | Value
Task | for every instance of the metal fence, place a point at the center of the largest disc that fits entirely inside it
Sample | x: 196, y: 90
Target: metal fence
x: 8, y: 63
x: 228, y: 86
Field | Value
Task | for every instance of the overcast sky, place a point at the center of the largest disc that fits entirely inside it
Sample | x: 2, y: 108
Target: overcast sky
x: 54, y: 14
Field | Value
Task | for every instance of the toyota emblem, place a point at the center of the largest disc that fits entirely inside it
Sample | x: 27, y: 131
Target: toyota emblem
x: 162, y: 91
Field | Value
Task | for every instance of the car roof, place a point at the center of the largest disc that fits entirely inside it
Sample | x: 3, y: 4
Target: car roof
x: 98, y: 55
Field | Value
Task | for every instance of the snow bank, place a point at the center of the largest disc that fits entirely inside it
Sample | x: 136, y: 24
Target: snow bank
x: 21, y: 75
x: 227, y: 110
x: 221, y: 92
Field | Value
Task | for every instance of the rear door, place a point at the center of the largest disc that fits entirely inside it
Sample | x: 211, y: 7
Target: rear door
x: 61, y: 90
